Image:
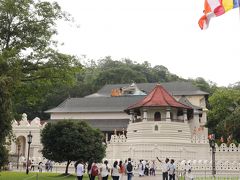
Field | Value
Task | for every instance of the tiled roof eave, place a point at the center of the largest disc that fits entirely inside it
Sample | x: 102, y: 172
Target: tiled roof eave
x: 84, y: 111
x: 142, y: 106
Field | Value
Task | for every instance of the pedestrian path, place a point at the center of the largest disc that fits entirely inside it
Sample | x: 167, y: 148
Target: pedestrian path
x: 159, y: 177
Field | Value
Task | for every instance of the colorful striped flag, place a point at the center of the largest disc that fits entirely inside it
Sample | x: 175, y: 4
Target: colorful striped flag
x: 213, y: 8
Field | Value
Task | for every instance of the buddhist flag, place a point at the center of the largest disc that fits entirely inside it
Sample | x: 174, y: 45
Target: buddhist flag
x: 214, y: 8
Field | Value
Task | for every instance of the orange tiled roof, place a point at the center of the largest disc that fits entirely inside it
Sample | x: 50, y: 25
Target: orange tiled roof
x: 158, y: 97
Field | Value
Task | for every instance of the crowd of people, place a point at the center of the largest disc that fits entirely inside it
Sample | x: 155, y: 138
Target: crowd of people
x: 119, y: 169
x: 103, y: 171
x: 48, y: 166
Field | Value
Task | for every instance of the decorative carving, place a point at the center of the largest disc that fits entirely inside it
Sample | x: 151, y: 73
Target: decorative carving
x: 24, y: 121
x: 36, y: 122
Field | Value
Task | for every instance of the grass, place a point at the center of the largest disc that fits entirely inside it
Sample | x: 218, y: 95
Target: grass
x: 10, y: 175
x: 6, y: 175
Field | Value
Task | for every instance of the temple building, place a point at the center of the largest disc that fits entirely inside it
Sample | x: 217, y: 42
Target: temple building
x: 161, y: 126
x: 105, y: 108
x: 147, y: 113
x: 141, y: 121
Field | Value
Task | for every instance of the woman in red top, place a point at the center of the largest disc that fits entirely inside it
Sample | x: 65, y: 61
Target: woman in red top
x: 122, y: 170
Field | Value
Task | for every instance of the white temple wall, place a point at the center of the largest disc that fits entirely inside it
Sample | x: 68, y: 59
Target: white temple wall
x: 197, y: 152
x: 197, y: 100
x: 21, y: 131
x: 120, y: 149
x: 150, y: 151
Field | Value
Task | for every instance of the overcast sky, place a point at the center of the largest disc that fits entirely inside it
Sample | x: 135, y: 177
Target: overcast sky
x: 160, y: 32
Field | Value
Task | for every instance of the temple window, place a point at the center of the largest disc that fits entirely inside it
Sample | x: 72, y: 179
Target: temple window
x: 157, y: 116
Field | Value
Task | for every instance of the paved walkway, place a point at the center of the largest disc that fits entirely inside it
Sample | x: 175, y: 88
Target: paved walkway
x: 147, y: 178
x: 158, y: 177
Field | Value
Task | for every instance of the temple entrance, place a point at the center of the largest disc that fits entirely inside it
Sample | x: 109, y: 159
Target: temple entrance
x: 157, y: 116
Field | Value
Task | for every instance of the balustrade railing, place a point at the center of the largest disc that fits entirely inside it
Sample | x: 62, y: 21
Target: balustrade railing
x: 157, y: 120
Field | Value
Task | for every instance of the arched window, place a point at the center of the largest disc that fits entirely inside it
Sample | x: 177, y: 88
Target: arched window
x: 156, y: 127
x: 157, y: 116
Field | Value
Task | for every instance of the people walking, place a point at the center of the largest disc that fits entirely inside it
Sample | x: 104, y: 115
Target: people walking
x: 165, y: 168
x: 172, y: 169
x: 115, y: 171
x: 89, y: 168
x: 153, y: 168
x: 40, y: 166
x: 80, y: 169
x: 122, y: 170
x: 32, y: 165
x: 140, y: 168
x: 129, y: 169
x: 104, y: 170
x: 94, y: 171
x: 146, y: 169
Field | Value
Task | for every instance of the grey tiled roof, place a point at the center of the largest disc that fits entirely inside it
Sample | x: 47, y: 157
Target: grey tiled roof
x: 103, y: 102
x: 98, y: 104
x: 174, y: 88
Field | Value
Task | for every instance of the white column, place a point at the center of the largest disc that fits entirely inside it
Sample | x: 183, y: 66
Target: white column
x: 168, y: 116
x: 204, y: 116
x: 106, y: 137
x: 195, y: 118
x: 185, y: 115
x: 131, y: 117
x: 144, y: 115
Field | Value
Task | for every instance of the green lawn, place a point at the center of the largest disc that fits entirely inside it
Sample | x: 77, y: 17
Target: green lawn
x: 6, y: 175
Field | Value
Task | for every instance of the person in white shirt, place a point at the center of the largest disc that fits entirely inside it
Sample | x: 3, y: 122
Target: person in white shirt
x: 80, y: 170
x: 153, y: 168
x: 165, y: 168
x: 172, y: 169
x: 115, y: 171
x: 104, y: 169
x: 140, y: 168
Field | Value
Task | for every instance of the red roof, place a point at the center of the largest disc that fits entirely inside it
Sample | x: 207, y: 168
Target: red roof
x: 158, y: 97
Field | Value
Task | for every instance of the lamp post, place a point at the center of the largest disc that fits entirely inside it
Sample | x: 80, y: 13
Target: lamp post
x: 18, y: 148
x: 29, y: 142
x: 212, y: 145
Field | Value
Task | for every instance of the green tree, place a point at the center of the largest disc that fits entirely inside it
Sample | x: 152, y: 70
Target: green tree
x: 109, y: 71
x: 3, y: 156
x: 207, y: 86
x: 72, y: 140
x: 224, y: 114
x: 5, y: 116
x: 30, y: 65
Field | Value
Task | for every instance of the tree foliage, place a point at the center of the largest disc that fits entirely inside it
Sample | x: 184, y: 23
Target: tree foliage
x: 224, y: 114
x: 30, y: 65
x: 207, y: 86
x: 70, y: 141
x: 109, y: 71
